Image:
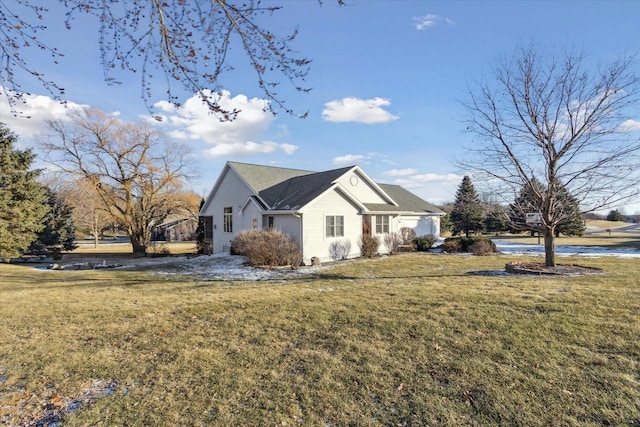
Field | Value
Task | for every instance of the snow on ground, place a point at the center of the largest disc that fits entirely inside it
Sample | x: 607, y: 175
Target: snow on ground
x: 227, y: 267
x: 511, y: 248
x: 208, y: 267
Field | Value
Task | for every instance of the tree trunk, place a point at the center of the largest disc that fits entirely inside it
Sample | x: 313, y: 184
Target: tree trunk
x: 549, y: 247
x: 139, y: 248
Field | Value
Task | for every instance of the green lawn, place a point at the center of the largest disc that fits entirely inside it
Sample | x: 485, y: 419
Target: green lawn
x: 404, y: 340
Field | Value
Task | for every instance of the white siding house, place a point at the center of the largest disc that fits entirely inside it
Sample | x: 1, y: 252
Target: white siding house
x: 316, y: 209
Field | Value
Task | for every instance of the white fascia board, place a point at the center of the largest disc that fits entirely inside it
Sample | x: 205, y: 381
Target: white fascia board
x: 251, y: 200
x: 339, y: 188
x: 207, y: 201
x: 373, y: 184
x: 296, y: 212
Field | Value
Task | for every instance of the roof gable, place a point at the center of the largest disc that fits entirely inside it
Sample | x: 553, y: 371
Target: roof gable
x: 298, y: 191
x: 406, y: 200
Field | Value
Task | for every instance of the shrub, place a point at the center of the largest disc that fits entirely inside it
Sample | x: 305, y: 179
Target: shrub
x: 464, y: 244
x: 267, y: 247
x: 424, y: 243
x: 242, y: 241
x: 481, y: 248
x: 407, y: 236
x: 392, y: 242
x: 452, y: 245
x: 369, y: 246
x: 340, y: 249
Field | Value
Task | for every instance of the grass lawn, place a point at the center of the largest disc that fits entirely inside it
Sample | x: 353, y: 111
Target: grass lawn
x: 405, y: 340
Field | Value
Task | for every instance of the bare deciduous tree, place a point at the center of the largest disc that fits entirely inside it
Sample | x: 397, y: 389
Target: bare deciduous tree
x: 129, y: 166
x: 90, y: 214
x: 550, y: 117
x: 186, y: 42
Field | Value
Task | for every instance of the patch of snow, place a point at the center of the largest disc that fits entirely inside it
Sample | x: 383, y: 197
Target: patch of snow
x: 511, y: 248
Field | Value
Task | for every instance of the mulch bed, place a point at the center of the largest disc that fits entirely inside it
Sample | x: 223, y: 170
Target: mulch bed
x: 539, y: 268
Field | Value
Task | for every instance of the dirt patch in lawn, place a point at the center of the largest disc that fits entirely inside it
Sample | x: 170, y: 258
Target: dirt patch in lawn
x: 538, y: 268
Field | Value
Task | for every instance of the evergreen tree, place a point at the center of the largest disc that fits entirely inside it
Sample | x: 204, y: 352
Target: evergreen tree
x: 615, y: 215
x: 574, y: 224
x: 23, y: 201
x: 528, y: 201
x: 200, y: 231
x: 59, y: 232
x: 467, y: 212
x: 496, y: 221
x: 567, y: 209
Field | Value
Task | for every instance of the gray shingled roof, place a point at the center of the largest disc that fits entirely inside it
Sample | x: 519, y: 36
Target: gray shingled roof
x: 406, y: 200
x: 300, y: 190
x: 261, y: 177
x: 291, y: 189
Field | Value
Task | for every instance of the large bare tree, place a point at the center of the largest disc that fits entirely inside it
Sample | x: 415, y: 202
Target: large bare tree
x: 90, y: 214
x: 559, y: 119
x: 184, y: 43
x: 134, y: 172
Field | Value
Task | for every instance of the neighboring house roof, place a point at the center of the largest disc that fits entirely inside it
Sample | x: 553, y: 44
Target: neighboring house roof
x: 298, y: 191
x: 406, y: 200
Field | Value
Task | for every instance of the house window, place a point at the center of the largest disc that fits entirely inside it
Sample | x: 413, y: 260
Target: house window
x: 382, y: 224
x: 270, y: 223
x: 208, y: 226
x: 228, y: 220
x: 334, y: 226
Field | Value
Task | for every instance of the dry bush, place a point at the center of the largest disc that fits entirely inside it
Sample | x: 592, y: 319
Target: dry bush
x: 452, y: 245
x: 267, y: 248
x: 481, y: 248
x: 369, y: 246
x: 340, y: 249
x: 241, y: 242
x: 407, y: 234
x: 482, y: 245
x: 392, y: 241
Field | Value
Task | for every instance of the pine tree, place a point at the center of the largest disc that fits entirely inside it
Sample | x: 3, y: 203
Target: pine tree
x: 467, y: 209
x: 59, y: 232
x: 574, y: 224
x: 23, y: 201
x: 495, y: 221
x: 200, y: 231
x: 528, y: 201
x: 615, y: 215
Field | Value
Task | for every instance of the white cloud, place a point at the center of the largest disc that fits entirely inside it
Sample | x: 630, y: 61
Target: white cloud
x: 247, y: 148
x: 35, y: 112
x: 430, y: 20
x: 630, y: 126
x: 193, y: 120
x: 430, y: 178
x: 400, y: 172
x: 352, y: 109
x: 348, y: 159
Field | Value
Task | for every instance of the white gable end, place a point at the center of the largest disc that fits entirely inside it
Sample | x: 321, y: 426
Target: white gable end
x: 363, y: 188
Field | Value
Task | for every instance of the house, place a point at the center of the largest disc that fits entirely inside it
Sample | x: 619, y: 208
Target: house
x: 316, y: 209
x: 176, y: 228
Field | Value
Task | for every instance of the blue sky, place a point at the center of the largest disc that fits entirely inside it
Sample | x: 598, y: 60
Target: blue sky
x: 388, y: 78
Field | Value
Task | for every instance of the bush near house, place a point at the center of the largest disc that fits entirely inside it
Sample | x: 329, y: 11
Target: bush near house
x: 270, y: 248
x: 340, y: 249
x: 424, y: 243
x: 465, y: 244
x: 369, y: 246
x: 392, y: 241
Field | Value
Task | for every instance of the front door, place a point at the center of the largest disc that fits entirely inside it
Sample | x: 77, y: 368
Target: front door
x: 366, y: 225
